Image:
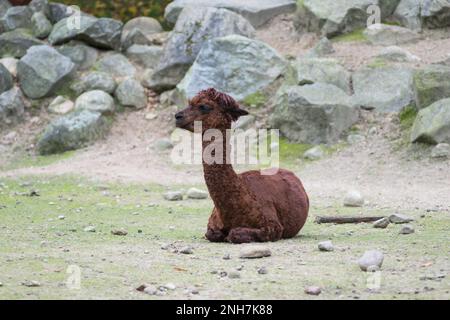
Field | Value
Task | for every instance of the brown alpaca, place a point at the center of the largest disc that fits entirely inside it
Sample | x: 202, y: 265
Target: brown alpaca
x: 249, y: 207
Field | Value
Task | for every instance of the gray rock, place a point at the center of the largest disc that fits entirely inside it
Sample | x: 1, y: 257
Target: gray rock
x: 330, y: 17
x: 399, y: 218
x: 95, y: 81
x: 313, y: 70
x: 353, y: 198
x: 119, y: 232
x: 323, y: 48
x: 41, y: 26
x: 81, y: 54
x: 326, y: 246
x: 146, y: 56
x: 195, y: 27
x: 103, y: 33
x: 431, y: 84
x: 313, y: 290
x: 234, y: 275
x: 194, y: 193
x: 436, y: 14
x: 186, y: 250
x: 432, y: 124
x: 407, y: 229
x: 173, y: 195
x: 96, y: 101
x: 315, y: 153
x: 16, y: 18
x: 408, y: 14
x: 163, y: 145
x: 139, y: 31
x: 130, y: 93
x: 59, y: 11
x: 72, y: 131
x: 61, y: 105
x: 385, y: 89
x: 89, y: 229
x: 117, y: 65
x: 16, y: 43
x: 233, y: 64
x: 397, y: 54
x: 6, y: 79
x: 314, y: 114
x: 40, y: 6
x: 31, y: 284
x: 371, y: 258
x: 12, y: 106
x: 442, y: 150
x: 257, y: 12
x: 389, y: 35
x: 42, y: 71
x: 10, y: 64
x: 151, y: 290
x: 254, y: 252
x: 4, y: 6
x: 382, y: 223
x: 262, y: 270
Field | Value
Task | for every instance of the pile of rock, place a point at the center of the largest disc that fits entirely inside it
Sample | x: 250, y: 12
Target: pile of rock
x: 79, y: 66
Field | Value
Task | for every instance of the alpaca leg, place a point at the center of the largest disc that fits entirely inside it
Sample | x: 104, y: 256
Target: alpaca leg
x: 215, y: 235
x: 246, y: 235
x: 214, y: 232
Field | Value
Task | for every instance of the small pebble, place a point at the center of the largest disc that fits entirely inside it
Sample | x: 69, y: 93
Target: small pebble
x: 382, y: 223
x: 234, y: 275
x: 313, y: 290
x: 119, y: 232
x: 262, y: 270
x: 254, y: 251
x: 31, y: 284
x: 89, y: 229
x: 326, y: 246
x: 226, y: 257
x: 186, y: 250
x: 407, y: 229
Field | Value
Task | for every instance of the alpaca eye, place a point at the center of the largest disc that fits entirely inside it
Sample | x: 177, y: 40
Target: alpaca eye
x: 204, y: 108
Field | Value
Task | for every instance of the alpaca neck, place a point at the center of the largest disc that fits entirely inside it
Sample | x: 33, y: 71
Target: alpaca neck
x: 227, y: 191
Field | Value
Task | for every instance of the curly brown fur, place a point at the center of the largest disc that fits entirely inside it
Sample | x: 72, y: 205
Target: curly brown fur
x: 249, y: 207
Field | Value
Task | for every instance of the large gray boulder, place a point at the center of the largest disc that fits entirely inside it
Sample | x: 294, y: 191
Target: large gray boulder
x: 146, y: 56
x: 431, y: 83
x: 233, y: 64
x: 41, y: 25
x: 72, y: 131
x: 385, y: 89
x: 117, y: 65
x: 59, y: 11
x: 139, y: 31
x: 16, y: 43
x: 15, y: 18
x: 96, y: 100
x: 42, y: 71
x: 436, y: 14
x: 257, y: 12
x: 81, y: 54
x: 12, y: 106
x: 408, y: 14
x: 314, y: 114
x: 325, y: 70
x: 103, y: 33
x: 94, y: 81
x: 331, y: 17
x: 42, y: 6
x: 388, y: 35
x: 195, y: 26
x: 6, y: 79
x: 130, y: 93
x: 432, y: 124
x: 4, y: 6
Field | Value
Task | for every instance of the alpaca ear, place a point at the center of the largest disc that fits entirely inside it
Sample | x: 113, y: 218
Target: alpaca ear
x: 236, y: 113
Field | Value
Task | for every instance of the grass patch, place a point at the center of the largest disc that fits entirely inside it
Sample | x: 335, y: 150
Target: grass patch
x: 36, y: 245
x: 37, y: 160
x: 354, y: 36
x: 407, y: 117
x: 257, y: 99
x: 291, y: 152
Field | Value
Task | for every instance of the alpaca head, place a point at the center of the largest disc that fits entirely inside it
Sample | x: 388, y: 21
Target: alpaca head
x: 214, y: 109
